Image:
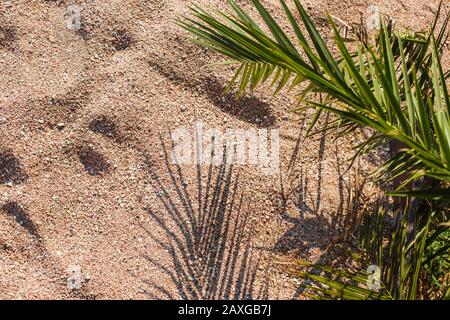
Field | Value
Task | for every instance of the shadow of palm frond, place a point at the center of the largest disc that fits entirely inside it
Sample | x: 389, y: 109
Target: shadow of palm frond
x: 327, y: 235
x: 247, y: 108
x: 205, y: 232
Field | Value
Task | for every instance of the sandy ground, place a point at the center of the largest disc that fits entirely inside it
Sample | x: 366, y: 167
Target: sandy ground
x: 91, y: 206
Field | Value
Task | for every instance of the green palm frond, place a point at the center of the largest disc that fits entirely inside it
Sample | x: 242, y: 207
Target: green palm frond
x: 393, y: 84
x: 396, y: 86
x: 401, y: 265
x: 339, y: 284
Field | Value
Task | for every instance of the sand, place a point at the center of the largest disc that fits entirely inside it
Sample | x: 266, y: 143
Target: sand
x: 91, y: 205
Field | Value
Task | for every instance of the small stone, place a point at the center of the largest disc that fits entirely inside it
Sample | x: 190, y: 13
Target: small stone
x: 183, y: 108
x: 60, y: 126
x: 160, y: 194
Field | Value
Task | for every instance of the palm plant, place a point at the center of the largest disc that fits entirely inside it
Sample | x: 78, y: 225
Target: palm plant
x: 401, y: 263
x: 394, y: 84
